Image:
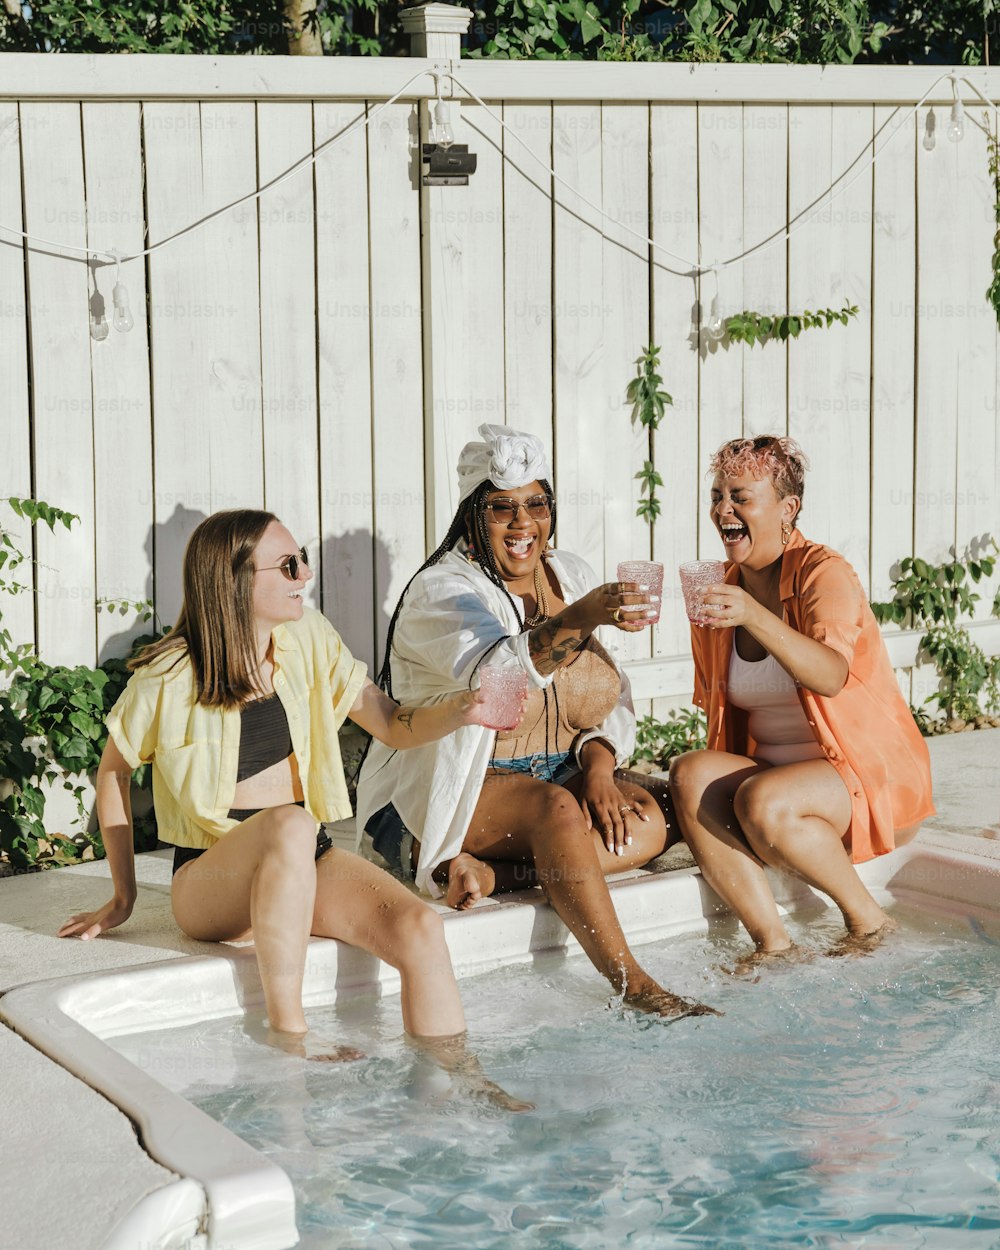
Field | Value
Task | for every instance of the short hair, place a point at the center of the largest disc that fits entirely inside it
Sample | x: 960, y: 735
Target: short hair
x: 767, y: 455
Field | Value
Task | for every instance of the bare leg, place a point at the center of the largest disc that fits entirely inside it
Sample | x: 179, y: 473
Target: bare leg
x: 366, y: 907
x: 523, y: 820
x: 795, y: 817
x: 260, y: 876
x: 703, y: 785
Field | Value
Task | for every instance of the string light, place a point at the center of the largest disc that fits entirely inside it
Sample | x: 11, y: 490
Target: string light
x: 119, y: 297
x: 441, y: 132
x: 956, y: 123
x: 715, y: 327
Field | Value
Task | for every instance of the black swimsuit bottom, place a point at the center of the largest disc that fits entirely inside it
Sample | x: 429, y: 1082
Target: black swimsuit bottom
x: 264, y: 740
x: 184, y: 854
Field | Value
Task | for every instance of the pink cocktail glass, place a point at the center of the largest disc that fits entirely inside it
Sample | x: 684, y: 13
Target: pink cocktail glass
x: 504, y: 690
x: 644, y: 573
x: 696, y: 577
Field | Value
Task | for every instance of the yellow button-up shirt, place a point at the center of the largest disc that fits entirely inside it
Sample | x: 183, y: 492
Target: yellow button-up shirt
x: 194, y: 750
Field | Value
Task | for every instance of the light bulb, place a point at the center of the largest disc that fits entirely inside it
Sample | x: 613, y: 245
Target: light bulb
x: 99, y: 328
x: 930, y: 131
x: 123, y: 314
x: 441, y: 132
x: 716, y: 322
x: 956, y: 125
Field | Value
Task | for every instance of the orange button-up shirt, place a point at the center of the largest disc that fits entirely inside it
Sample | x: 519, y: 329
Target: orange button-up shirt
x: 866, y: 730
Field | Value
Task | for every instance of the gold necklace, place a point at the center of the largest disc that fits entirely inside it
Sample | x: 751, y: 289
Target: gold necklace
x: 541, y: 600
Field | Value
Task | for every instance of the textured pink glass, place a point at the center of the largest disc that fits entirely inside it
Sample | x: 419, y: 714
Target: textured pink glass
x: 503, y: 689
x: 696, y: 577
x: 644, y: 573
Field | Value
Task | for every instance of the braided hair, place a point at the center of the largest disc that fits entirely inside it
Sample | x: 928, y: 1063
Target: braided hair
x: 469, y: 522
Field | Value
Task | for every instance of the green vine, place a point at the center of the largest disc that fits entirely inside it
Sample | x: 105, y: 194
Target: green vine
x: 932, y: 597
x: 993, y: 154
x: 754, y: 327
x: 52, y: 723
x: 649, y: 404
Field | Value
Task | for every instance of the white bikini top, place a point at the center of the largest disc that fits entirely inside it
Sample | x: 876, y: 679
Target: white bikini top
x: 768, y: 693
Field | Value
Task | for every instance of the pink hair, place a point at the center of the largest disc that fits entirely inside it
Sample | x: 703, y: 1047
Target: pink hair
x: 780, y: 459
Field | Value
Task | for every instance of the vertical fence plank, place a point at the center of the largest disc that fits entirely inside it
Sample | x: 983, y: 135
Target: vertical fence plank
x: 625, y: 197
x: 123, y: 464
x: 288, y: 324
x: 396, y: 354
x: 204, y: 323
x: 345, y: 318
x: 942, y: 311
x: 976, y: 500
x: 674, y: 187
x: 527, y: 209
x: 54, y: 207
x: 765, y: 187
x: 720, y: 175
x: 579, y: 329
x: 17, y: 611
x: 893, y: 301
x: 829, y: 370
x: 463, y: 301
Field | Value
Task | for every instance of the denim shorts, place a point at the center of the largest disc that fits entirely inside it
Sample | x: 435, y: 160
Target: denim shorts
x: 394, y: 842
x: 556, y: 768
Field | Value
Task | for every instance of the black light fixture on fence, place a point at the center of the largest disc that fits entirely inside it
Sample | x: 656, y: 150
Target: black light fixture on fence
x: 448, y: 164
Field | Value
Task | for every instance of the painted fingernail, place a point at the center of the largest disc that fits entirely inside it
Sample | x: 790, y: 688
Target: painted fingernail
x: 619, y: 850
x: 651, y: 612
x: 654, y: 598
x: 643, y: 587
x: 628, y: 839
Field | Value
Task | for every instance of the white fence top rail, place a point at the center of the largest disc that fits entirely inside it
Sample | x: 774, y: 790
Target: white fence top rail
x: 40, y: 76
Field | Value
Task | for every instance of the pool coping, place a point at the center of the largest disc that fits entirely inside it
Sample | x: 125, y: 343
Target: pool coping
x: 231, y: 1196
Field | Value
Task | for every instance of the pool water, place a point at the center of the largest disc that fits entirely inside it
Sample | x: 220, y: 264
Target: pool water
x: 837, y: 1103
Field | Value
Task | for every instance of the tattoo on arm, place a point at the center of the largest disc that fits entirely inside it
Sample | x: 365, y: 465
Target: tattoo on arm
x: 550, y: 645
x: 405, y: 718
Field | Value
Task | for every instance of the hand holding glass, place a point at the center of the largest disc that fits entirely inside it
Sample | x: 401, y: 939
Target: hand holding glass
x: 646, y: 573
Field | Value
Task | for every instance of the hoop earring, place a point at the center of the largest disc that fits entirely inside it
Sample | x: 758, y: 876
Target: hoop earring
x: 786, y: 533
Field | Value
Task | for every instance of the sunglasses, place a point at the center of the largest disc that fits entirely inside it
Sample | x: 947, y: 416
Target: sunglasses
x: 290, y: 565
x: 503, y: 511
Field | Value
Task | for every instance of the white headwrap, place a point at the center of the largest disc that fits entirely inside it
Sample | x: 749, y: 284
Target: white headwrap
x: 507, y: 458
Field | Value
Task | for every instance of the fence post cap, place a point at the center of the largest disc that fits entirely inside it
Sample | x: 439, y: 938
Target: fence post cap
x: 436, y: 19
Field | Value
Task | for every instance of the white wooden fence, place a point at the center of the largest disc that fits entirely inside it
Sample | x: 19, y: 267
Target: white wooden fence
x: 326, y: 351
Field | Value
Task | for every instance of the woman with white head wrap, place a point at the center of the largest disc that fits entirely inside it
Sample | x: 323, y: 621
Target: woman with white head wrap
x: 541, y: 804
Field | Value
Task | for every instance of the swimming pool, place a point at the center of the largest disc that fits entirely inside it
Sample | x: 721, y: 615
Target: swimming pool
x: 762, y: 1125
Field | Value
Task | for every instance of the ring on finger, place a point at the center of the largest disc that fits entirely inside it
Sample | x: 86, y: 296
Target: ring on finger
x: 624, y: 808
x: 616, y: 615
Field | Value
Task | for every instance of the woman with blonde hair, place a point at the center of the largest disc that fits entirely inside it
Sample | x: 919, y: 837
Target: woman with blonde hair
x: 237, y: 709
x: 814, y: 762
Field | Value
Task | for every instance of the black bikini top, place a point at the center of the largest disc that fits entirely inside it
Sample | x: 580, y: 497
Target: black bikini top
x: 264, y: 736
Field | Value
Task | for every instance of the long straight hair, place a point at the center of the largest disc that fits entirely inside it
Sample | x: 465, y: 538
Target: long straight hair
x: 216, y: 624
x: 470, y: 523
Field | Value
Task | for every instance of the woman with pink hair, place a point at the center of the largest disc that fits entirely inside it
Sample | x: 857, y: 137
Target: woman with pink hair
x: 814, y: 763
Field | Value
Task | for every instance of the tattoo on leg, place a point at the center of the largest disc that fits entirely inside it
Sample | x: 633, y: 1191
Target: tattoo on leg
x: 405, y: 718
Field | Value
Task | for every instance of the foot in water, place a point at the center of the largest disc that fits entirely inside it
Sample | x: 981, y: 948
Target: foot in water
x: 851, y: 945
x: 660, y: 1002
x: 306, y: 1046
x: 753, y: 961
x: 469, y: 880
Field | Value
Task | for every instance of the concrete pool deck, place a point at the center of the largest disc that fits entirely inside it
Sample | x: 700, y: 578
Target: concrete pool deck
x: 61, y: 1138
